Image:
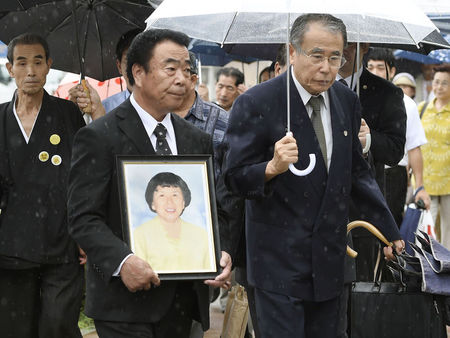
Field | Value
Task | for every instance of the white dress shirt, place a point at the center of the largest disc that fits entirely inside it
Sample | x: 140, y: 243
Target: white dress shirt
x: 25, y: 136
x: 150, y: 124
x: 324, y: 115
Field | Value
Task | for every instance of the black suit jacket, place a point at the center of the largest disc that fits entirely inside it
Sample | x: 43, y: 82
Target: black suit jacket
x: 34, y: 223
x: 384, y: 111
x: 95, y: 220
x: 296, y: 226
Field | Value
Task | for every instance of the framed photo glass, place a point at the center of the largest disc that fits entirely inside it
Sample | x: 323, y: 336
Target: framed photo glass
x: 169, y: 214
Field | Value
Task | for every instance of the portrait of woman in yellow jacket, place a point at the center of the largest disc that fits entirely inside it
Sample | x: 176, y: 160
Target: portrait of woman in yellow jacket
x: 167, y: 242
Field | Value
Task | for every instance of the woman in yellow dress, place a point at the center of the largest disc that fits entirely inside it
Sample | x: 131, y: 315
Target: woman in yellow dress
x: 167, y: 242
x: 436, y: 153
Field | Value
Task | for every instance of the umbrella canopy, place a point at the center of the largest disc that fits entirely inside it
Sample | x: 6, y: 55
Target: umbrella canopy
x: 99, y: 23
x: 210, y: 54
x: 434, y: 57
x: 104, y: 88
x: 265, y: 21
x: 442, y: 55
x: 20, y: 5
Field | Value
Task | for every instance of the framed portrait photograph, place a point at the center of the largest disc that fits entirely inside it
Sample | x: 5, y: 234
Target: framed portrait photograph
x: 169, y: 214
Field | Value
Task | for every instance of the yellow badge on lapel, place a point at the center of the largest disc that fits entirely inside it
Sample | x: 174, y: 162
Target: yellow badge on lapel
x: 56, y: 160
x: 55, y: 139
x: 345, y: 133
x: 43, y: 156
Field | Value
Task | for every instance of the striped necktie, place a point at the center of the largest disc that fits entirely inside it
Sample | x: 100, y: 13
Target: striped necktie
x: 316, y: 120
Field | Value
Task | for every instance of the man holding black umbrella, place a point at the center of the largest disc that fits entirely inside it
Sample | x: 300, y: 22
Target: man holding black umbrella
x: 41, y: 277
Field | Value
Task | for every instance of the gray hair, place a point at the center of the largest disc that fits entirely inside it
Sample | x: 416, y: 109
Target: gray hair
x: 301, y: 26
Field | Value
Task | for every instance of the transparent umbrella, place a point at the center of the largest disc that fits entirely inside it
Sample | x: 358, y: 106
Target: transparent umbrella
x: 264, y: 21
x: 268, y: 22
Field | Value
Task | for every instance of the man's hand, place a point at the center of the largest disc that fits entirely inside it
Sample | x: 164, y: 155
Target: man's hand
x: 363, y: 131
x: 285, y: 153
x: 138, y: 275
x: 423, y: 195
x: 399, y: 248
x: 242, y: 88
x: 203, y: 91
x: 224, y: 279
x: 82, y: 256
x: 80, y: 97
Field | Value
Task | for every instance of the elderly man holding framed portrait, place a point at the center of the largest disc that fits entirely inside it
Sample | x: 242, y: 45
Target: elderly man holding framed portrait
x: 120, y: 292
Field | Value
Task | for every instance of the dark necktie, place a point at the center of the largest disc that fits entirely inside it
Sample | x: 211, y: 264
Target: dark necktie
x: 316, y: 120
x: 162, y: 147
x: 343, y: 82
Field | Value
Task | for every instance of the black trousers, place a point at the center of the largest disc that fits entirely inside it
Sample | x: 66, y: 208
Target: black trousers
x: 290, y: 317
x: 396, y: 187
x: 41, y: 302
x: 176, y: 323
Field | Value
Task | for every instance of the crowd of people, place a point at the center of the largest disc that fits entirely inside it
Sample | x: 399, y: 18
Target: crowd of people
x: 283, y: 237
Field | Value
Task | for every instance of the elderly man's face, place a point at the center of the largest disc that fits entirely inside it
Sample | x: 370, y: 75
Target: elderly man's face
x: 168, y: 202
x: 226, y: 91
x: 29, y: 68
x: 318, y: 40
x: 162, y: 89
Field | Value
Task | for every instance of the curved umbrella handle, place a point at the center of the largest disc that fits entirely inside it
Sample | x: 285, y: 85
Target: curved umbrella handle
x: 308, y: 169
x: 356, y: 224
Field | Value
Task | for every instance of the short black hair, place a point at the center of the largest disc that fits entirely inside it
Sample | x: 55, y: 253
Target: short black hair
x: 267, y: 69
x: 27, y: 39
x: 167, y: 179
x: 125, y: 42
x: 381, y: 54
x: 233, y: 72
x: 444, y: 68
x: 194, y: 63
x: 281, y: 55
x: 141, y: 49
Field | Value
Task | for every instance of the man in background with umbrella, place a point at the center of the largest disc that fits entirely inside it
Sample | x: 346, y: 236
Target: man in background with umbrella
x: 296, y: 225
x: 381, y: 62
x: 382, y: 136
x: 41, y: 277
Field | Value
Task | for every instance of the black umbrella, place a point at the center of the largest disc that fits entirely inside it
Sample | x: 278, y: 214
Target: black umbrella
x: 20, y: 5
x: 99, y: 25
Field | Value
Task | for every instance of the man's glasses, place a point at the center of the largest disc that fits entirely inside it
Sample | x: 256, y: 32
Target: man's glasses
x: 334, y: 61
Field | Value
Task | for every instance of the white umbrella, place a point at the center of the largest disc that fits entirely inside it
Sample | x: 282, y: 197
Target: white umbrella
x: 264, y: 21
x: 268, y: 22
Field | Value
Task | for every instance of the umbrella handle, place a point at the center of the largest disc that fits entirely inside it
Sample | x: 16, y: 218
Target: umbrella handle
x: 372, y: 229
x: 88, y: 108
x: 309, y: 168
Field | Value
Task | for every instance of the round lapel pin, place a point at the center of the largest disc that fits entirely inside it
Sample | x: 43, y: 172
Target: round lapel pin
x: 55, y: 139
x: 56, y: 160
x: 43, y: 156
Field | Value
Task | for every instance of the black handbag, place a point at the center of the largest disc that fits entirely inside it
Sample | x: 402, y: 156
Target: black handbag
x: 398, y: 308
x: 389, y: 310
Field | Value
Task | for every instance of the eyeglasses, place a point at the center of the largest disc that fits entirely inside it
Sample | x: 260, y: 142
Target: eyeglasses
x: 335, y: 61
x: 436, y: 83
